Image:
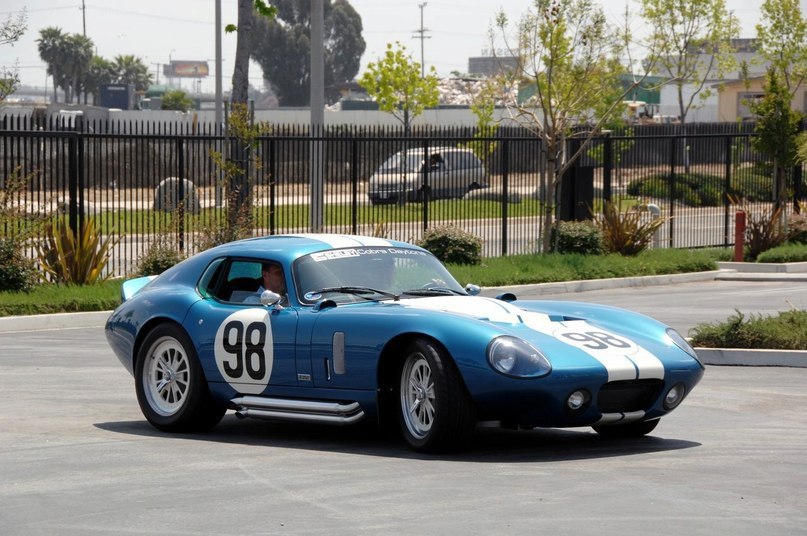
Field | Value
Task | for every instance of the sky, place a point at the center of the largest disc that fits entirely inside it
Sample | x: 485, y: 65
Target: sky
x: 159, y: 31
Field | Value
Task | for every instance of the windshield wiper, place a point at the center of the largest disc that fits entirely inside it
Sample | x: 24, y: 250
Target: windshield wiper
x: 358, y: 291
x: 433, y: 291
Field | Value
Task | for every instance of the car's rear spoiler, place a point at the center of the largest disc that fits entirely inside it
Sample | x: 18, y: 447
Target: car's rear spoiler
x: 133, y: 286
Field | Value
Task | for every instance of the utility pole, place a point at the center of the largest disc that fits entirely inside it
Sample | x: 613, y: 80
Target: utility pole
x: 421, y: 34
x: 84, y: 17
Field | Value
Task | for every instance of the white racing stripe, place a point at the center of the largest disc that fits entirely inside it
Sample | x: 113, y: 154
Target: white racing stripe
x: 621, y: 357
x: 345, y: 241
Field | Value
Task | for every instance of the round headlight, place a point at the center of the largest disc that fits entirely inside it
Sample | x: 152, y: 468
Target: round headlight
x: 512, y: 356
x: 682, y: 343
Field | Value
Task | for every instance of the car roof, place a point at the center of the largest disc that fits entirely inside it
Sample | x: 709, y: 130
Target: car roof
x: 291, y: 246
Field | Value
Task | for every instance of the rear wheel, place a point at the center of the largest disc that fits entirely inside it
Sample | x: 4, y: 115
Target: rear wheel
x: 634, y: 429
x: 436, y: 412
x: 171, y: 388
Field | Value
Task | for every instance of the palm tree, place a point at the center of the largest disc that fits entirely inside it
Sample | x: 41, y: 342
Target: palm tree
x: 129, y: 69
x: 52, y: 47
x: 79, y: 55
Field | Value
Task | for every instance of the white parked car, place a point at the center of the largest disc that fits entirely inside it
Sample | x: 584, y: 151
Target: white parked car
x: 448, y: 172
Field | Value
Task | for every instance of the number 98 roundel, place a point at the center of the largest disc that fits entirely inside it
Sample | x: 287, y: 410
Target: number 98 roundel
x: 243, y: 350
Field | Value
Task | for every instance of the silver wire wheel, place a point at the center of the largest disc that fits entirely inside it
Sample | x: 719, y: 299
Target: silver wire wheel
x: 417, y: 396
x: 171, y: 388
x: 436, y: 413
x: 166, y: 376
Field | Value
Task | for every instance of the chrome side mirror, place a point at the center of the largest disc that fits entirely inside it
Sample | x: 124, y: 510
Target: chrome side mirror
x: 472, y: 289
x: 270, y: 298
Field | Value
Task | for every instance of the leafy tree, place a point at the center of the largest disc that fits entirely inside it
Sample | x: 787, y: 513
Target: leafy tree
x: 10, y: 32
x: 395, y: 83
x: 567, y: 51
x: 177, y: 100
x: 777, y: 128
x: 240, y: 92
x: 782, y: 40
x: 129, y: 69
x: 690, y: 44
x: 282, y: 47
x: 52, y: 48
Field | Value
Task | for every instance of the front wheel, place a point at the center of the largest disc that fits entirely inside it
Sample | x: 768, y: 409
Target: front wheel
x: 436, y: 412
x: 634, y: 429
x: 171, y: 388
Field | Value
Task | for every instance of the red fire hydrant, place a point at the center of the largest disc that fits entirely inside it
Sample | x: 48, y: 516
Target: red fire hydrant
x: 739, y: 235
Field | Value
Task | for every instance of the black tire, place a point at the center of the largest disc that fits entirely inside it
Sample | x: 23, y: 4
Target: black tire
x: 171, y: 388
x: 634, y: 429
x: 435, y: 412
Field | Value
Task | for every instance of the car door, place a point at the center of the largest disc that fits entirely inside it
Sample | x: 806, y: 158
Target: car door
x: 249, y: 346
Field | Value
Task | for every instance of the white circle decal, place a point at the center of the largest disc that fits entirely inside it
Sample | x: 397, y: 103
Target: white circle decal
x: 243, y: 350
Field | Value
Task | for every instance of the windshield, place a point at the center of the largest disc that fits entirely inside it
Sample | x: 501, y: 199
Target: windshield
x: 397, y: 162
x: 376, y: 273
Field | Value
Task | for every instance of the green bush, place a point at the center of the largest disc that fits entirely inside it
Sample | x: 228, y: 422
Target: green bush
x: 788, y: 252
x: 787, y: 331
x: 624, y: 232
x: 764, y: 232
x: 17, y: 272
x: 159, y: 258
x: 577, y: 237
x: 75, y: 258
x: 797, y: 228
x: 691, y: 189
x: 453, y: 245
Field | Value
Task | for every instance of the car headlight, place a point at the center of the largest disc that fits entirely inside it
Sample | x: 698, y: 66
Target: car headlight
x: 681, y: 343
x: 514, y: 357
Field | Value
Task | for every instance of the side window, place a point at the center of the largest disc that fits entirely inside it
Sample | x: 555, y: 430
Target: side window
x: 243, y: 280
x: 210, y: 278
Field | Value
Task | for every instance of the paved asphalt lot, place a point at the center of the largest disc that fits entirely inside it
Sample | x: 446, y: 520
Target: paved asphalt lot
x: 77, y: 457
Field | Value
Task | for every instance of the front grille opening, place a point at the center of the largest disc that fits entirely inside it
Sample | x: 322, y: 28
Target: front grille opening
x: 630, y: 395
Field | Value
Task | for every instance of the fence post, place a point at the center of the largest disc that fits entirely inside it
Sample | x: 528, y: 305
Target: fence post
x: 426, y: 185
x: 72, y: 179
x: 608, y: 165
x: 505, y: 193
x: 181, y: 193
x: 354, y: 181
x: 673, y: 149
x: 726, y: 190
x: 272, y: 184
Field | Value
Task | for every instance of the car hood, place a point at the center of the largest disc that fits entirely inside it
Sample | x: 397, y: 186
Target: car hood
x: 622, y: 352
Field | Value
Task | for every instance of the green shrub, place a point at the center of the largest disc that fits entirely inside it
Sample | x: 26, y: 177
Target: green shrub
x: 577, y: 237
x: 763, y: 233
x: 797, y: 228
x: 624, y: 232
x: 691, y: 189
x: 752, y: 187
x: 75, y: 258
x: 159, y: 258
x: 788, y: 252
x: 787, y: 331
x: 453, y: 245
x: 17, y: 272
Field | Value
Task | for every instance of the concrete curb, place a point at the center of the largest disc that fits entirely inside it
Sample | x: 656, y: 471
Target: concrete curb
x: 752, y: 358
x: 564, y: 287
x: 55, y: 321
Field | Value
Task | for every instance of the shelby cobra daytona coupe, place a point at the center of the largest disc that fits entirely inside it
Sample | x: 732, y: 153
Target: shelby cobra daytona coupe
x: 368, y: 329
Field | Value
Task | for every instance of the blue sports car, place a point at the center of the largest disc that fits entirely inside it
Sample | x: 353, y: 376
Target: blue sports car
x: 344, y: 329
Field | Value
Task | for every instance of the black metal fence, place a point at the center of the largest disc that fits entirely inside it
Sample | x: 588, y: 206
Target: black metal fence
x: 144, y: 182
